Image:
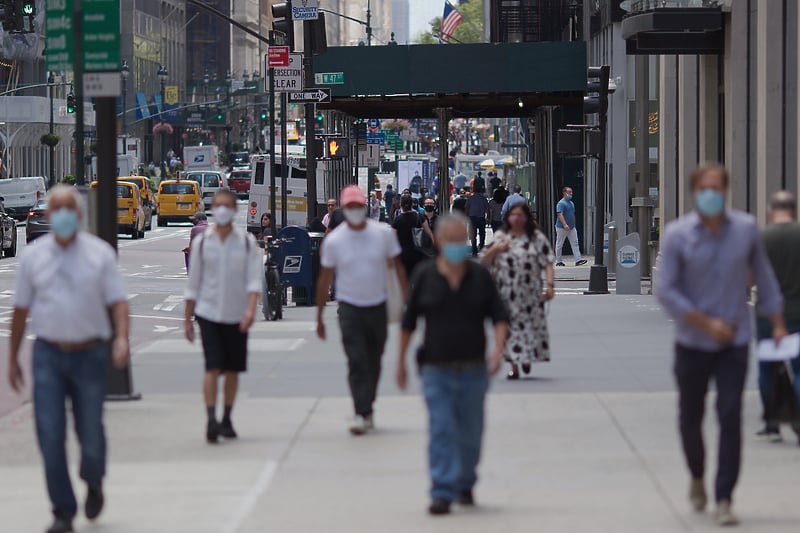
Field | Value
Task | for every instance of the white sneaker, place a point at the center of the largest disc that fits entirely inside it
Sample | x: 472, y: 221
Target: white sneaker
x: 361, y: 425
x: 724, y: 515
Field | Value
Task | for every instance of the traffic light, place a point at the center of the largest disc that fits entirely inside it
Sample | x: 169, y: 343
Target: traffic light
x: 338, y: 147
x: 282, y: 22
x: 319, y: 117
x: 71, y: 102
x: 263, y: 114
x: 220, y: 116
x: 596, y: 100
x: 13, y: 14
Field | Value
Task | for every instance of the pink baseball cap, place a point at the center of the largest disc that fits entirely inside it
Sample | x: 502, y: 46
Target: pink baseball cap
x: 352, y: 194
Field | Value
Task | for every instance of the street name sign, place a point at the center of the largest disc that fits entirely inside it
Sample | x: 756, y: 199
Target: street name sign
x: 278, y: 56
x: 290, y: 79
x: 305, y: 10
x: 101, y: 35
x: 101, y: 29
x: 58, y: 24
x: 329, y: 78
x: 311, y: 95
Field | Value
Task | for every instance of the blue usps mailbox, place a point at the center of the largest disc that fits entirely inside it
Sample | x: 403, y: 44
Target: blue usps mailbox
x: 294, y: 261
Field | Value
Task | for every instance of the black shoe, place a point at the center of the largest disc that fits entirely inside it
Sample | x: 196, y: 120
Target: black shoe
x: 226, y: 429
x: 560, y: 264
x: 94, y: 503
x: 581, y: 262
x: 212, y: 432
x: 439, y: 506
x: 512, y: 375
x: 465, y: 498
x: 61, y: 525
x: 526, y: 367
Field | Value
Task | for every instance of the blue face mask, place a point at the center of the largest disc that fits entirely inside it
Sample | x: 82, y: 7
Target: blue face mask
x: 456, y: 253
x: 709, y: 202
x: 569, y: 197
x: 64, y: 223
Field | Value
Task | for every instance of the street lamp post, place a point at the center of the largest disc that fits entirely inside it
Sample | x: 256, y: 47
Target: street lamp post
x: 125, y: 71
x: 51, y: 80
x: 245, y: 137
x: 162, y: 76
x: 228, y: 81
x: 257, y: 126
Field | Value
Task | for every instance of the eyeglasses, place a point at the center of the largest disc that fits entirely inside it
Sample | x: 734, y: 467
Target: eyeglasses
x: 331, y: 205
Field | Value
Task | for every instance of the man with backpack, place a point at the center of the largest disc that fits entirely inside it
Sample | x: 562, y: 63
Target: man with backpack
x: 224, y: 284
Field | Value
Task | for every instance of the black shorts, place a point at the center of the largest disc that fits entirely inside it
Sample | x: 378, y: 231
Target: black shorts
x: 224, y: 346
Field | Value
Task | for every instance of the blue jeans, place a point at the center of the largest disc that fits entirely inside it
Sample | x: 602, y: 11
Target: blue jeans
x: 455, y: 400
x: 81, y: 377
x: 766, y: 369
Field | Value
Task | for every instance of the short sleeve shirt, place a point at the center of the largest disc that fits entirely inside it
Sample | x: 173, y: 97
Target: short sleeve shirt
x: 359, y: 258
x: 568, y: 208
x: 68, y: 291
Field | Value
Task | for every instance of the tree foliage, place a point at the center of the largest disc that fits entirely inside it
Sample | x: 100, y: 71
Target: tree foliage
x: 469, y: 31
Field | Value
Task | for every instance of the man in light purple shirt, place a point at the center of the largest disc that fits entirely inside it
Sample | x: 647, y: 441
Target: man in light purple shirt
x: 708, y: 259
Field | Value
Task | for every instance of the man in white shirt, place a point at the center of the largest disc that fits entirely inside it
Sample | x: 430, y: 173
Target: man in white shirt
x: 224, y: 284
x: 67, y: 284
x: 360, y: 253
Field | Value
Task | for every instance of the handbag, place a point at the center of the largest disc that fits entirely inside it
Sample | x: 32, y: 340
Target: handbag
x: 394, y: 295
x: 422, y: 241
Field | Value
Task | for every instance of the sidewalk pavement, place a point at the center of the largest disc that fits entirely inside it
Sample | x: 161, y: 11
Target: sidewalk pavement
x: 590, y: 445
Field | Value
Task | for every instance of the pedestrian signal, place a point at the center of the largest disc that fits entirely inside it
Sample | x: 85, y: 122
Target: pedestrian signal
x: 337, y: 148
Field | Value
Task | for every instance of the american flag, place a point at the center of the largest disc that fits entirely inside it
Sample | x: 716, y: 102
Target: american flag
x: 450, y: 21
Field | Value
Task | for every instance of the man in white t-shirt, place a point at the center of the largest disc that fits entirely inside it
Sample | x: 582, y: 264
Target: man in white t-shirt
x: 359, y: 253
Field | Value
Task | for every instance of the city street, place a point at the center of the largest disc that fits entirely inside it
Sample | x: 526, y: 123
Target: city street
x: 589, y: 444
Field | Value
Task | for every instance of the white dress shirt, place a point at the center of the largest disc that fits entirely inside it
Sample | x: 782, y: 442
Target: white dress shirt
x: 359, y: 258
x: 222, y: 274
x: 68, y: 291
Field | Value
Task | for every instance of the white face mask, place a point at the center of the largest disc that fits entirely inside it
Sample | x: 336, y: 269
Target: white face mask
x: 355, y: 216
x: 223, y: 215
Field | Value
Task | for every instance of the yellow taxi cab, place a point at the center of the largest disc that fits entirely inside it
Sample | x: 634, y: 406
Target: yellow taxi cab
x: 130, y: 212
x: 178, y: 200
x: 148, y: 196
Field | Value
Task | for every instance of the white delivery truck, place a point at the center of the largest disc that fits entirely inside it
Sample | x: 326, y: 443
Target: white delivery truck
x: 19, y: 195
x: 204, y: 157
x: 126, y: 165
x: 260, y: 201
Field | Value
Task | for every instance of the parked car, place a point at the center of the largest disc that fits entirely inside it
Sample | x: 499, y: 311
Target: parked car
x: 8, y: 226
x: 239, y: 182
x: 21, y: 194
x: 37, y: 224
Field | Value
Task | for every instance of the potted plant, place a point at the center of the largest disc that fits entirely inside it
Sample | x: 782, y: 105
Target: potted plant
x: 69, y: 179
x: 50, y: 139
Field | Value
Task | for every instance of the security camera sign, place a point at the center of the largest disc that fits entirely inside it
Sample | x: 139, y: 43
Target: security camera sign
x: 305, y: 10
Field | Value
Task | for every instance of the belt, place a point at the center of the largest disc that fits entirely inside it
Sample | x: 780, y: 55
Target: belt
x: 74, y: 346
x: 457, y: 366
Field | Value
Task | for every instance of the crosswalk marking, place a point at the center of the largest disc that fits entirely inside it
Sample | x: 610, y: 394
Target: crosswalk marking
x: 170, y: 303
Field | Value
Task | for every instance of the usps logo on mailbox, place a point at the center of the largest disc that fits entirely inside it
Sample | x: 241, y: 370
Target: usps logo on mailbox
x: 292, y: 264
x: 200, y: 158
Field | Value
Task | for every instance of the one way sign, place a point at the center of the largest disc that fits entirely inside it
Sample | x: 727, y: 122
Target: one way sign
x: 314, y: 96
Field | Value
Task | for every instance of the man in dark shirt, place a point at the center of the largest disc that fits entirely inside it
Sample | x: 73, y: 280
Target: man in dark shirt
x: 455, y: 296
x: 782, y: 241
x: 477, y: 208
